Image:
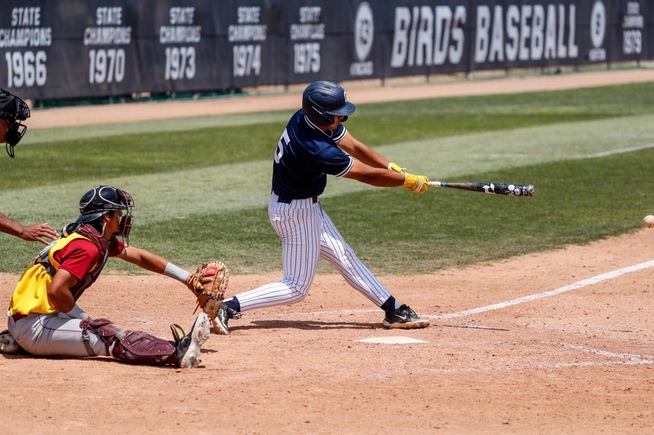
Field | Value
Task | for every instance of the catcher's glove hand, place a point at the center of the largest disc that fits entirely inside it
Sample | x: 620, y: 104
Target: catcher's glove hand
x: 209, y: 284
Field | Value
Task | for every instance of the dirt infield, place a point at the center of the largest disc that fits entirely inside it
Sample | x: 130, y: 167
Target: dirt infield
x: 557, y: 342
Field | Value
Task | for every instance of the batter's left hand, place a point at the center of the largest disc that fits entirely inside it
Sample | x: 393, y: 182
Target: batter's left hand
x: 416, y: 183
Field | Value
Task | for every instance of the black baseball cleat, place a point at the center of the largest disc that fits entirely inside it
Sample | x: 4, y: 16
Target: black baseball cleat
x: 188, y: 346
x: 404, y: 318
x: 220, y: 322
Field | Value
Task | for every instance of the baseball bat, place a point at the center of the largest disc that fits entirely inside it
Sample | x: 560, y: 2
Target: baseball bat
x: 508, y: 189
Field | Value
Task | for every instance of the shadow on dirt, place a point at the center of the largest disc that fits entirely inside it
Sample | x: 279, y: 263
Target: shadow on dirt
x: 304, y: 325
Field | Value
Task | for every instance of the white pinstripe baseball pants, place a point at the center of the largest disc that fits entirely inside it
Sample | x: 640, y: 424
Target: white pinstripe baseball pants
x: 307, y: 234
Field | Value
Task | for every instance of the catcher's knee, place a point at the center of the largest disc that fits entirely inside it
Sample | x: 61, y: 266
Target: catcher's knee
x: 104, y: 329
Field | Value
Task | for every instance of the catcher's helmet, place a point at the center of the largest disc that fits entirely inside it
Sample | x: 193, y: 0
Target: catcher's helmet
x: 14, y: 110
x: 322, y: 100
x: 103, y: 199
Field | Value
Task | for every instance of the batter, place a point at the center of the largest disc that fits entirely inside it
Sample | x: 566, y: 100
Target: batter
x: 314, y: 144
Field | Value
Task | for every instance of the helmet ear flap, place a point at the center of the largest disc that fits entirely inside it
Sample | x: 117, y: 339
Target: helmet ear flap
x: 316, y: 115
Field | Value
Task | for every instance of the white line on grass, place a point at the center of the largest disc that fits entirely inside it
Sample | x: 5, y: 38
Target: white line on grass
x: 567, y: 288
x: 619, y: 151
x: 154, y: 193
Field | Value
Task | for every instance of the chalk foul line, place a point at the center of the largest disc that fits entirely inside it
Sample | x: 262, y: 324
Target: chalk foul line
x: 567, y: 288
x: 617, y: 359
x: 629, y: 357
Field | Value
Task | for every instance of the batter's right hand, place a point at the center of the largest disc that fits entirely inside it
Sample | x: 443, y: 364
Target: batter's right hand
x: 416, y: 183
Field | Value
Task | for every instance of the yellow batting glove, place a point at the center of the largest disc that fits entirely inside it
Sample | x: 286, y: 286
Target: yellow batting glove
x: 393, y: 167
x: 416, y: 183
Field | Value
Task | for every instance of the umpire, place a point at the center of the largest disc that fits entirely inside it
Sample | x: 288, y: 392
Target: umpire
x: 13, y: 110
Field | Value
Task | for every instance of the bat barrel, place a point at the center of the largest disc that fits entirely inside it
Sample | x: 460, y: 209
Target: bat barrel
x: 507, y: 189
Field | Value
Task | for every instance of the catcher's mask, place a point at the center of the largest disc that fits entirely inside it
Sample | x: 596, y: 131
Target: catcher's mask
x: 103, y: 199
x: 14, y: 110
x: 322, y: 100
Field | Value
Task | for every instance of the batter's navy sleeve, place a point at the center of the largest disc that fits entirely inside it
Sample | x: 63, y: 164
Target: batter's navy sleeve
x: 304, y: 157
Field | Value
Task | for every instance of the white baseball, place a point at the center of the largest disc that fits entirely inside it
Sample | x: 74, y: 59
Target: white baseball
x: 648, y: 221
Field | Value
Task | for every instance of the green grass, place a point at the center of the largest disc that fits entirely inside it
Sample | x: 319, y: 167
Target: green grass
x: 383, y: 123
x: 576, y: 202
x: 119, y: 155
x: 161, y: 150
x: 201, y: 187
x: 396, y: 232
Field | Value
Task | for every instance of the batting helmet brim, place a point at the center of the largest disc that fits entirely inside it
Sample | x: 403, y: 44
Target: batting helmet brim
x: 346, y: 110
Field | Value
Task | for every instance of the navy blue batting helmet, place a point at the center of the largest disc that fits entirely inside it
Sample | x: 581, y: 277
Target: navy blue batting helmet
x: 322, y: 100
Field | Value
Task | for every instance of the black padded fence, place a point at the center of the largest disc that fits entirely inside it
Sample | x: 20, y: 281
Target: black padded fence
x: 62, y: 49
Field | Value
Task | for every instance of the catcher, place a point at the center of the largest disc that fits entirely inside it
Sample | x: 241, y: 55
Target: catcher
x: 44, y: 317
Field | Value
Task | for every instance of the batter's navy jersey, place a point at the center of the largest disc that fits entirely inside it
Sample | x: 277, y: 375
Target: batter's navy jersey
x: 305, y: 155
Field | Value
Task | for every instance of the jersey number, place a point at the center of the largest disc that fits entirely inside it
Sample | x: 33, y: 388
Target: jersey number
x: 283, y: 141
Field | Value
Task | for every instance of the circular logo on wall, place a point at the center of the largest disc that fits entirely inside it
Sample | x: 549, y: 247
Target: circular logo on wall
x: 364, y: 31
x: 598, y: 24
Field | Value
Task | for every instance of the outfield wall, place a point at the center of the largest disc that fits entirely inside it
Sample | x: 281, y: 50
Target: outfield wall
x: 61, y: 49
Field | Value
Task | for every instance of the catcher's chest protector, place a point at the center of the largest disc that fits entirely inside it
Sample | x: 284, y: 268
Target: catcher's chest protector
x: 46, y: 256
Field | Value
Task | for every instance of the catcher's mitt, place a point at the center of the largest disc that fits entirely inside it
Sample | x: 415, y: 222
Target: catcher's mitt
x: 209, y: 283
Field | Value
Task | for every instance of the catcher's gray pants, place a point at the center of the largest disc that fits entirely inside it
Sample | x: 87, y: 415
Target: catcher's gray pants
x: 307, y: 234
x: 53, y: 334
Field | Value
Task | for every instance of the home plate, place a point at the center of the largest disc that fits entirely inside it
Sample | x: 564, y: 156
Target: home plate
x: 391, y: 340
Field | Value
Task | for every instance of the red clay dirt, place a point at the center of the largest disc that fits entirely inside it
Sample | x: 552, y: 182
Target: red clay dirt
x: 574, y: 355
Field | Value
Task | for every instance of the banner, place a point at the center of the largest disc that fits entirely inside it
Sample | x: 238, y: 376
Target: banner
x: 62, y: 49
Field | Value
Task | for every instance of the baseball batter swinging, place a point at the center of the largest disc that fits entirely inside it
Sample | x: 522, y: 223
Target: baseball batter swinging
x: 314, y: 144
x: 44, y: 318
